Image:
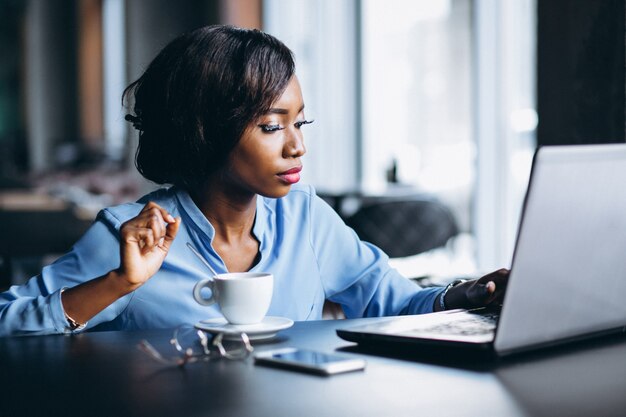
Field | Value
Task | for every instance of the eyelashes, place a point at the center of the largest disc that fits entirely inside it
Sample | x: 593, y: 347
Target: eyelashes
x: 273, y: 127
x: 268, y: 128
x: 301, y: 123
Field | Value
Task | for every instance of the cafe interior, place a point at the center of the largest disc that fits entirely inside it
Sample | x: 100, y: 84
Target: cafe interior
x: 427, y: 116
x: 457, y: 83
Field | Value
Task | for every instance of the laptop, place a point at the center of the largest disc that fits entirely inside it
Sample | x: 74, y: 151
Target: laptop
x: 568, y: 274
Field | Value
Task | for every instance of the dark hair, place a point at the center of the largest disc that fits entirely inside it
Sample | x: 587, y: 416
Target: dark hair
x: 197, y: 97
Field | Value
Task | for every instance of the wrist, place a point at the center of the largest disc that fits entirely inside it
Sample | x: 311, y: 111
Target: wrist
x: 445, y: 301
x: 120, y: 283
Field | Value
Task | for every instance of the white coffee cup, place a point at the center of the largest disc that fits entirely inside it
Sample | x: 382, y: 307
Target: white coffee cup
x: 243, y: 297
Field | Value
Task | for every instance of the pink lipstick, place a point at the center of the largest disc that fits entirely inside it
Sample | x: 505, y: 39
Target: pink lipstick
x: 290, y: 176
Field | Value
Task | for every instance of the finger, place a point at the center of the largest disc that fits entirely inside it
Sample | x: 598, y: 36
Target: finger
x: 500, y: 273
x: 485, y: 291
x: 497, y: 292
x: 152, y: 206
x: 146, y: 239
x: 499, y: 278
x: 142, y: 237
x: 170, y: 234
x: 480, y: 294
x: 149, y: 219
x: 129, y: 233
x: 157, y: 225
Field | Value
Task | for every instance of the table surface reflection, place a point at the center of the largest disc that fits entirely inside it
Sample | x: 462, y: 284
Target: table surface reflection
x: 104, y: 374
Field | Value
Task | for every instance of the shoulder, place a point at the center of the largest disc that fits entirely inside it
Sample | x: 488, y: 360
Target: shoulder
x: 301, y: 198
x: 302, y: 203
x: 299, y: 194
x: 116, y: 215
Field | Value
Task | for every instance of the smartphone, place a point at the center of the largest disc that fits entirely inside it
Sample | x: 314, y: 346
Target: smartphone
x: 309, y: 361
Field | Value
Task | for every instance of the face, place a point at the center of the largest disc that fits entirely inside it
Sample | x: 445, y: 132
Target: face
x: 266, y: 160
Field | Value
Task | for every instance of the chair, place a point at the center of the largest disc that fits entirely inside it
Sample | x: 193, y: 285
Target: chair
x: 404, y: 227
x: 33, y: 228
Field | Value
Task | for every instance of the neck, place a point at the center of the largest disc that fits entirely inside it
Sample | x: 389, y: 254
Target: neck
x: 231, y: 214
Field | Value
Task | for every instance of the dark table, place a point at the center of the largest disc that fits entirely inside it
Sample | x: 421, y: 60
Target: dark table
x: 104, y: 374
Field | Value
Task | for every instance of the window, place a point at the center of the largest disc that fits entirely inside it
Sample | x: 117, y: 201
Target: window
x: 441, y: 92
x: 416, y: 66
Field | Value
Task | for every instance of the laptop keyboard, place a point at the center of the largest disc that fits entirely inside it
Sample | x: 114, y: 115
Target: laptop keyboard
x: 469, y: 325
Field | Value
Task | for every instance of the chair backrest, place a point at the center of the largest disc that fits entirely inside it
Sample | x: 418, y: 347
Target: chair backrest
x: 404, y: 227
x: 35, y: 234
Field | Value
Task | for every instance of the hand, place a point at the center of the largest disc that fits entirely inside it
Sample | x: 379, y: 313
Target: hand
x: 144, y: 242
x: 485, y: 291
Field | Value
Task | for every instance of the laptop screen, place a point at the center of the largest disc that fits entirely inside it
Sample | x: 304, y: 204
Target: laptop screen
x: 568, y: 276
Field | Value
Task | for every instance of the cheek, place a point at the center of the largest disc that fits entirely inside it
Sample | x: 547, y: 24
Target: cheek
x: 253, y: 164
x: 257, y: 155
x: 263, y: 156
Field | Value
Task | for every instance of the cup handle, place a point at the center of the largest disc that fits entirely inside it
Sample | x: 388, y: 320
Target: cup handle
x: 208, y: 283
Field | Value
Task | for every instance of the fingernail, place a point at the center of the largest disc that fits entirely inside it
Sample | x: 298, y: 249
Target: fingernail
x: 170, y: 219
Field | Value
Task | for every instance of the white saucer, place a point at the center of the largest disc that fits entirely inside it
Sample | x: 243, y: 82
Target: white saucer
x: 267, y: 328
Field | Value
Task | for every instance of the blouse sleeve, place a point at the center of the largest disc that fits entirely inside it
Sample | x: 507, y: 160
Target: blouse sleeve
x: 35, y: 307
x: 357, y: 274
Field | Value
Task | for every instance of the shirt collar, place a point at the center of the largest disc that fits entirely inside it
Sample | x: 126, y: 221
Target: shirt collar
x: 205, y: 227
x: 197, y: 217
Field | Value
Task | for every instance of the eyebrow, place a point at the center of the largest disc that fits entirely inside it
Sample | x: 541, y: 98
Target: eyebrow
x: 282, y: 111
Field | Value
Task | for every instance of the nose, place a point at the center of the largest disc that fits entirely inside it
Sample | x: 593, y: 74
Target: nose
x: 294, y: 144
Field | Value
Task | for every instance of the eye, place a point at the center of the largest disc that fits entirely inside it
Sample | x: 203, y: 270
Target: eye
x: 268, y: 128
x: 301, y: 123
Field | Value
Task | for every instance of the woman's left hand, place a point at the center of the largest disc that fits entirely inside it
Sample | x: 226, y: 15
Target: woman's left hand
x: 482, y: 292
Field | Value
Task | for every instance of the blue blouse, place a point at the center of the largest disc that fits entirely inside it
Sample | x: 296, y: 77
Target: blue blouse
x: 313, y: 255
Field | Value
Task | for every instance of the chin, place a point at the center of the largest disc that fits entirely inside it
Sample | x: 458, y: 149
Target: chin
x: 276, y: 192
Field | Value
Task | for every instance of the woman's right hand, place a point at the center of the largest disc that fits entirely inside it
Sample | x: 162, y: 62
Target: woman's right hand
x: 144, y: 243
x: 483, y: 292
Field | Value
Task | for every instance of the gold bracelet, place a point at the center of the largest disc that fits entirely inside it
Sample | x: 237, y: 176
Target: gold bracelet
x: 73, y: 324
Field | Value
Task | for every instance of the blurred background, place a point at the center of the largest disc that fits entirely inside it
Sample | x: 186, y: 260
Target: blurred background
x: 433, y: 106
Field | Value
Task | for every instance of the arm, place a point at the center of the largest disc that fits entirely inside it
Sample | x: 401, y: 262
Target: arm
x: 144, y: 243
x: 357, y: 274
x: 36, y: 307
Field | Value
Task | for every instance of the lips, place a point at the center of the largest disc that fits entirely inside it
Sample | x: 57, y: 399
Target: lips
x: 291, y: 176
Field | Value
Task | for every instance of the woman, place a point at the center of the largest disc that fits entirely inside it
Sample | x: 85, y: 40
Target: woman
x: 220, y: 116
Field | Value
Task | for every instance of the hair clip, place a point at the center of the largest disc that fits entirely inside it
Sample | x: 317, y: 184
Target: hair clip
x: 135, y: 120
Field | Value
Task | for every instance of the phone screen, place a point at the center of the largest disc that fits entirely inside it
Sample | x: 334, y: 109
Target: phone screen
x: 310, y: 361
x: 308, y: 356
